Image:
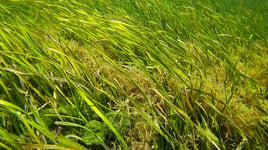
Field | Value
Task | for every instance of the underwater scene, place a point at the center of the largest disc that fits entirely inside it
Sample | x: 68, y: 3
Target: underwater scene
x: 134, y: 74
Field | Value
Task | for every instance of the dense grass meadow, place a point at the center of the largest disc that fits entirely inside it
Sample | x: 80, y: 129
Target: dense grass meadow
x: 134, y: 74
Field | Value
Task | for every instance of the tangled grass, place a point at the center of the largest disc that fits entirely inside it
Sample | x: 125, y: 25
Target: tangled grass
x: 111, y: 74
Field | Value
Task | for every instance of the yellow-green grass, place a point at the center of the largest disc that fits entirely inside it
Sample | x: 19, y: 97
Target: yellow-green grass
x: 111, y: 74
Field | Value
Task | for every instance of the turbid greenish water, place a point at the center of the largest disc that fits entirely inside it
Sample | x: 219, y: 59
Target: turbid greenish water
x: 134, y: 74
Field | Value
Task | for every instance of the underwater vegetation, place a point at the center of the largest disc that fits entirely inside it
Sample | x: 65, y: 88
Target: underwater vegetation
x: 134, y: 74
